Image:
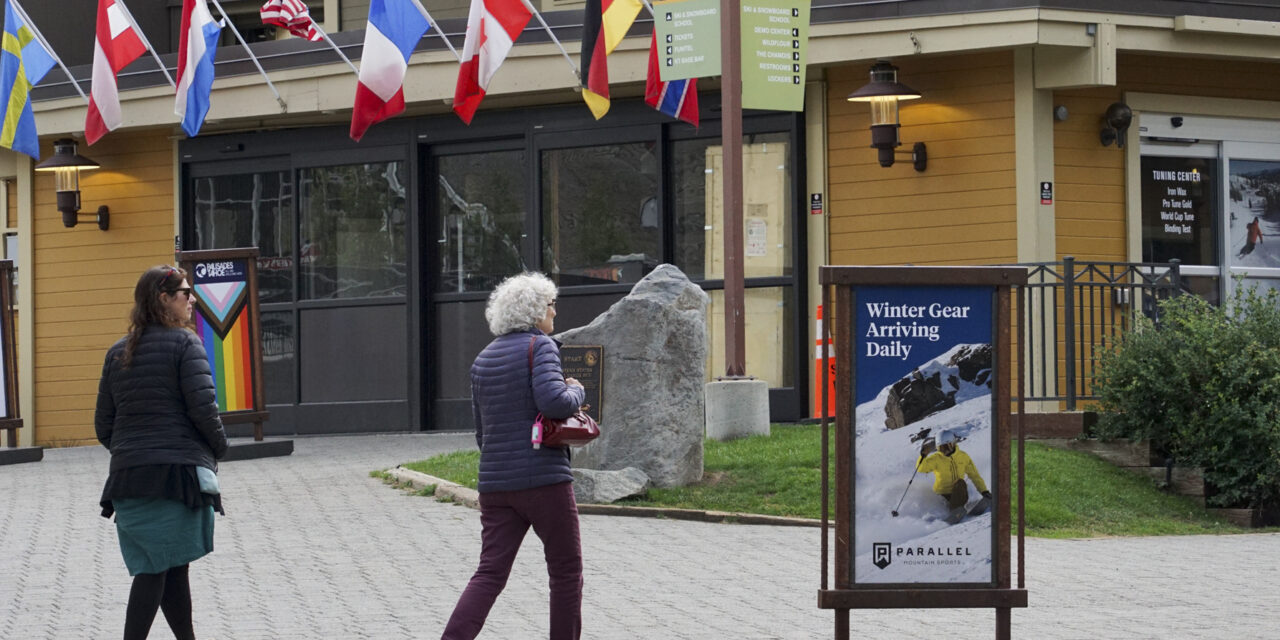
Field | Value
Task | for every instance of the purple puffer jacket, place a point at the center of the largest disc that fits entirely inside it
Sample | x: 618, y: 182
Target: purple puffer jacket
x: 506, y: 400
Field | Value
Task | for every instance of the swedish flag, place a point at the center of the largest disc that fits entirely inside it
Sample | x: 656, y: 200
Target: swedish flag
x: 23, y: 63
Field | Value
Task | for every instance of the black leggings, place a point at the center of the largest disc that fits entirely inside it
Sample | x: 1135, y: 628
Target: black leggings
x: 169, y: 591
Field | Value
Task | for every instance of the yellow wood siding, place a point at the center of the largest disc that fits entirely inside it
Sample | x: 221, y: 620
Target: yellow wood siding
x: 962, y: 209
x: 84, y: 277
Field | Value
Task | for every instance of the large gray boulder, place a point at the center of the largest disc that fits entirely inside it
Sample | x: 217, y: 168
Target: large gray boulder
x: 655, y: 353
x: 592, y: 486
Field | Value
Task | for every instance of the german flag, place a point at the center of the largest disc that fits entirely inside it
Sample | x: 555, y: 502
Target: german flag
x: 604, y: 24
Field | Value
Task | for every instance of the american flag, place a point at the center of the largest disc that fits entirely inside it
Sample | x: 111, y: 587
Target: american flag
x: 292, y: 15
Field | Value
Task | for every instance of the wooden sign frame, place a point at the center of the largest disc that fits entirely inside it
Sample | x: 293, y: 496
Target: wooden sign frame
x: 12, y: 420
x: 847, y: 594
x: 190, y: 261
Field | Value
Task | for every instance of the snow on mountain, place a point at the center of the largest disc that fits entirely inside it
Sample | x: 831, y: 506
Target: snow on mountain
x: 885, y: 465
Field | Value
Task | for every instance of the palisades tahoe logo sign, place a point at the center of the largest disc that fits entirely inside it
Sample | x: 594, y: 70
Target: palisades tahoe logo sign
x: 883, y: 554
x: 211, y: 270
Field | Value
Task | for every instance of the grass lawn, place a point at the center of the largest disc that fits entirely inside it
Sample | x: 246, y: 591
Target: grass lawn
x: 1069, y: 494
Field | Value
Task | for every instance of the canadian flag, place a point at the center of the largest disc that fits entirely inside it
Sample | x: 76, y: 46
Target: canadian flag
x: 117, y: 44
x: 492, y: 28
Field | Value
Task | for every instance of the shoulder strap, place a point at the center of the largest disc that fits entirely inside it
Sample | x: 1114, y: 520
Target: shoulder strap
x: 532, y: 339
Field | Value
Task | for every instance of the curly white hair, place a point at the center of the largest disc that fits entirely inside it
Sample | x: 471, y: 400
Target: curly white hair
x: 519, y: 302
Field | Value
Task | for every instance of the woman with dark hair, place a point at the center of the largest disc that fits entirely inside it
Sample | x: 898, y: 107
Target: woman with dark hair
x: 514, y: 379
x: 158, y: 415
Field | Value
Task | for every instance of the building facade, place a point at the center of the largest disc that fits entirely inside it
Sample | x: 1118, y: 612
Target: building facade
x: 377, y: 257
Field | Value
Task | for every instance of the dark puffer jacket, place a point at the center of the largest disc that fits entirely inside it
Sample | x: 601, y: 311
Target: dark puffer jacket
x: 162, y: 409
x: 507, y: 399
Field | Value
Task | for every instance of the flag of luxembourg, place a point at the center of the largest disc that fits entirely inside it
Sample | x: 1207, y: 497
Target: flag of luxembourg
x: 197, y: 45
x: 395, y: 27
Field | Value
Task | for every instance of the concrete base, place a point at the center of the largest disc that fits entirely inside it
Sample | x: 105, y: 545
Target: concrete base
x: 251, y: 450
x: 18, y: 455
x: 737, y: 409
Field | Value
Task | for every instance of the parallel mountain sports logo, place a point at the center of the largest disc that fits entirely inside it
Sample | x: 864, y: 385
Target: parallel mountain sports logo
x: 881, y: 554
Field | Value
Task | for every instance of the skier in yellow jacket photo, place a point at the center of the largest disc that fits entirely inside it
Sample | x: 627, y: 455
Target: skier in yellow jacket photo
x: 949, y: 466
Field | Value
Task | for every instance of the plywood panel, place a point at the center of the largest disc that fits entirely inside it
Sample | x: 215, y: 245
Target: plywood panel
x: 83, y: 278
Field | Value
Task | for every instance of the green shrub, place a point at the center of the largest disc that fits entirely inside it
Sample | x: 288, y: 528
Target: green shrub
x: 1205, y: 385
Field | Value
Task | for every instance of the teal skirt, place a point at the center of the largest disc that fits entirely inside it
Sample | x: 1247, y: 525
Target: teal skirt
x: 157, y: 534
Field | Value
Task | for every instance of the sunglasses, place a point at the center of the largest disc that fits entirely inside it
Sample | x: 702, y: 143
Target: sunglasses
x: 186, y: 291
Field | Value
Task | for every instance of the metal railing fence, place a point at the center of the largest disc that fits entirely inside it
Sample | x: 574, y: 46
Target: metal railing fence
x: 1076, y: 309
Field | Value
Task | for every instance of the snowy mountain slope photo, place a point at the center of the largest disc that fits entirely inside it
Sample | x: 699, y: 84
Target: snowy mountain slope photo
x: 923, y: 547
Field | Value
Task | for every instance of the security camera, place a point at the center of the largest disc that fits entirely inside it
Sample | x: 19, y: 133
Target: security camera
x: 1176, y: 121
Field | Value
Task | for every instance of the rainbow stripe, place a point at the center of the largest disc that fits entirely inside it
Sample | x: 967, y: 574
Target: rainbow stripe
x: 229, y: 358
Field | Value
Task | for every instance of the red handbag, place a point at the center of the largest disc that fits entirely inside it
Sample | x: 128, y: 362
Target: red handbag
x: 574, y: 431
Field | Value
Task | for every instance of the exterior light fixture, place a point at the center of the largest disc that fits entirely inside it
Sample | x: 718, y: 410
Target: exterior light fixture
x: 1115, y: 122
x: 66, y: 165
x: 883, y: 93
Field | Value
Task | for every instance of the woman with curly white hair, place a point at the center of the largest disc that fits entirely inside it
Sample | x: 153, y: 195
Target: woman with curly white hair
x: 514, y: 379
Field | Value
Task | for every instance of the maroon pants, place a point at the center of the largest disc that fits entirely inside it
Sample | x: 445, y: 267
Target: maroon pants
x: 505, y: 517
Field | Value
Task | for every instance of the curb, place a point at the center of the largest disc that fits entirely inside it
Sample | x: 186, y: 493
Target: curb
x: 444, y: 489
x: 454, y: 492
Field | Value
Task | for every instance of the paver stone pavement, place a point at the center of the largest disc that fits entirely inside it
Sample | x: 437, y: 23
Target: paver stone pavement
x: 313, y: 547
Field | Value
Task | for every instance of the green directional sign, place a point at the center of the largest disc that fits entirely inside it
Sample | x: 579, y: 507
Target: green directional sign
x: 688, y: 38
x: 775, y: 46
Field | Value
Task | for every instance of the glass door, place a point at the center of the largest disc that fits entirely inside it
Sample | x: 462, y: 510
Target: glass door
x: 476, y: 234
x: 1251, y: 230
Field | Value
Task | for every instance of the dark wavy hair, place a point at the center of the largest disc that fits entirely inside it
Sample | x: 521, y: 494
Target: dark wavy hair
x: 148, y: 309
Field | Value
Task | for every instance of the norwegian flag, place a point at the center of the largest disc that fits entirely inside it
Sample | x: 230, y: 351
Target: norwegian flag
x: 292, y: 15
x: 116, y: 45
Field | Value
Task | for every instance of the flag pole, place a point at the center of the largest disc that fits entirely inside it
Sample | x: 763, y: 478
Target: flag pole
x: 577, y: 75
x: 45, y: 43
x: 143, y: 36
x: 283, y: 107
x: 436, y: 27
x: 337, y: 50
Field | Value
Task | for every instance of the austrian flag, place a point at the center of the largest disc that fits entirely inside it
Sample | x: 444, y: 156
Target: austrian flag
x: 117, y: 44
x: 492, y: 29
x: 395, y: 27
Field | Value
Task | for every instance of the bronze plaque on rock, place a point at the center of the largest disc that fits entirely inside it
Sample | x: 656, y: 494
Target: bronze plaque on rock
x: 586, y: 363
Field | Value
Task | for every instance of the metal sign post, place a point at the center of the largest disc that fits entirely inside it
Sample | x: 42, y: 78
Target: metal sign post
x: 10, y: 416
x: 924, y: 423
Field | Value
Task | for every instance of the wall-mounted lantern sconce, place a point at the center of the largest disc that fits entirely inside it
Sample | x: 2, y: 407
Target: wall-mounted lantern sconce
x: 1115, y: 122
x: 66, y: 165
x: 883, y: 92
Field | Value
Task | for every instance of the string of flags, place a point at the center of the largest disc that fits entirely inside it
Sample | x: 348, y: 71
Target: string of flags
x: 393, y: 31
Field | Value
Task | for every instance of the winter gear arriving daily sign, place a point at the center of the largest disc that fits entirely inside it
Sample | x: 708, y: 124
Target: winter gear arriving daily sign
x: 923, y: 365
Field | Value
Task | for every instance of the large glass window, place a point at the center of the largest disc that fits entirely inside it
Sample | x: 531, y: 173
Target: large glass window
x: 352, y: 223
x: 481, y: 219
x: 766, y: 209
x: 249, y: 210
x: 600, y: 217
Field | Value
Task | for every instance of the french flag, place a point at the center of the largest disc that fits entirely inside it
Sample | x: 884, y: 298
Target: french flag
x: 197, y: 45
x: 395, y: 27
x: 492, y: 29
x: 117, y: 45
